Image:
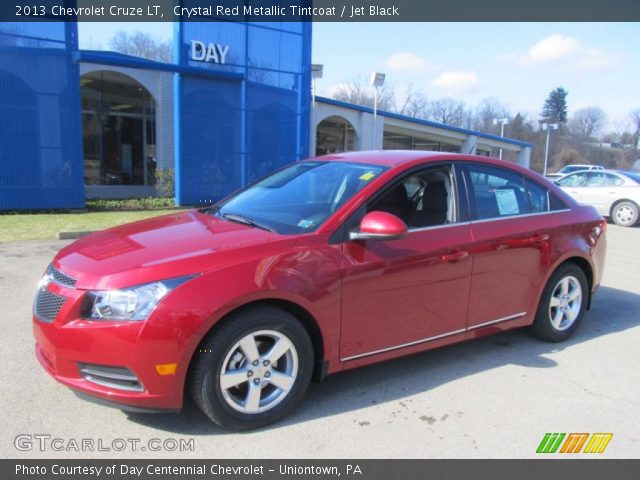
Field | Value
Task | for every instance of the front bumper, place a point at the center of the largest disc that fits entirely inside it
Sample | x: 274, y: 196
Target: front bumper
x: 66, y: 345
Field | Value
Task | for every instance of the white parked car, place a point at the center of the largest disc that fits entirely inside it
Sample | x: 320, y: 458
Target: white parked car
x: 614, y: 193
x: 567, y: 169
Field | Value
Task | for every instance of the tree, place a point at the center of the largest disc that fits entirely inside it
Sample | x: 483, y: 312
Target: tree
x: 588, y: 121
x: 635, y: 119
x: 411, y: 104
x: 358, y: 92
x: 486, y: 112
x: 448, y: 111
x: 140, y: 44
x: 555, y: 106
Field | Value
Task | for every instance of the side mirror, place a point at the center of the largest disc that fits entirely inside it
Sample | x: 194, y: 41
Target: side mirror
x: 380, y: 226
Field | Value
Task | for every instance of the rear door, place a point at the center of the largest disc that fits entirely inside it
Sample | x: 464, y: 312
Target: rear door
x: 512, y: 244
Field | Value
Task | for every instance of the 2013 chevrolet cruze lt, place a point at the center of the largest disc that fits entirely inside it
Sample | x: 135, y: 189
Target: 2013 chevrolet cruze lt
x: 323, y: 266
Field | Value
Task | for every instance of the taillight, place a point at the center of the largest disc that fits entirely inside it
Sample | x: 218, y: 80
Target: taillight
x: 597, y: 231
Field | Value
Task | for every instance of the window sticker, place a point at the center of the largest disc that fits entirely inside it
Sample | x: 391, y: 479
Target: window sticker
x: 365, y: 177
x: 305, y: 223
x: 507, y: 201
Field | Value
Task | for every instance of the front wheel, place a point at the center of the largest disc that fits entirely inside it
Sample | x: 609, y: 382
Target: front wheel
x: 253, y: 369
x: 625, y: 214
x: 562, y: 304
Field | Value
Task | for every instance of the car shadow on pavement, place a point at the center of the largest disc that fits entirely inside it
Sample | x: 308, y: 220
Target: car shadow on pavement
x: 612, y: 311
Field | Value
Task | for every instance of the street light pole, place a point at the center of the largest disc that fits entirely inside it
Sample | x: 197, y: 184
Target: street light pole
x: 377, y: 80
x: 502, y: 122
x: 548, y: 127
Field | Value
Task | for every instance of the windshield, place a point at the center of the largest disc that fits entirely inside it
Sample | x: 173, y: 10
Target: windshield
x: 299, y: 198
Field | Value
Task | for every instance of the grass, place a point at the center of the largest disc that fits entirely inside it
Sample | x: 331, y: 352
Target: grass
x: 45, y: 226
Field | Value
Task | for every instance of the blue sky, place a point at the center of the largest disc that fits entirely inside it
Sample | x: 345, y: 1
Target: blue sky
x: 519, y: 63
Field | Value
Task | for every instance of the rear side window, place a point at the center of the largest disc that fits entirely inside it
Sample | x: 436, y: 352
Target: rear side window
x: 538, y: 197
x: 601, y: 179
x: 497, y: 192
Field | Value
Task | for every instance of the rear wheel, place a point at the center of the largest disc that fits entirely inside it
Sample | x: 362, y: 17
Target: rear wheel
x: 625, y: 214
x: 562, y: 305
x: 253, y: 369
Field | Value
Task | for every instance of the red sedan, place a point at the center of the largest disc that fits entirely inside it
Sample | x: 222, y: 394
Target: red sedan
x: 325, y: 265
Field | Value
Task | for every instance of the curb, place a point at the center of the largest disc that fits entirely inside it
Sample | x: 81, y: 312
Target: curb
x: 73, y: 235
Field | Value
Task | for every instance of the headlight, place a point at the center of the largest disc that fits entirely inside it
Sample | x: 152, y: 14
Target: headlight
x: 134, y: 303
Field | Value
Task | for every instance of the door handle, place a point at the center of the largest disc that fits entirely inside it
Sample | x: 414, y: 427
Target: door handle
x: 539, y: 238
x: 455, y: 256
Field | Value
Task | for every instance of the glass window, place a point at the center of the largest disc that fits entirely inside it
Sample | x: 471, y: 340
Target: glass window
x: 118, y: 121
x: 601, y: 179
x: 575, y: 180
x: 334, y: 135
x: 299, y: 198
x: 421, y: 200
x: 538, y: 197
x: 497, y: 192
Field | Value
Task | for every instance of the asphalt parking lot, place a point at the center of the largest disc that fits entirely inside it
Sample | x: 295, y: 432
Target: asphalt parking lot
x: 491, y: 398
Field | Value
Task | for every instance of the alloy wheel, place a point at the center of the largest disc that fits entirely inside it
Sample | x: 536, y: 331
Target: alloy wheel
x: 566, y: 302
x: 259, y: 371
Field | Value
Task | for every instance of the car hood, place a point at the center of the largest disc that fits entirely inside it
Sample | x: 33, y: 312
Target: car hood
x: 162, y: 247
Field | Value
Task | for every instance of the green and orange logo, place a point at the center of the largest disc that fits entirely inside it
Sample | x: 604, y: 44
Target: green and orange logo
x: 573, y: 442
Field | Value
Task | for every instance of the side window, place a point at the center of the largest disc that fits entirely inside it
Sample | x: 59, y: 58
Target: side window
x: 612, y: 180
x: 596, y: 179
x: 575, y: 180
x: 422, y: 199
x: 497, y: 192
x: 538, y: 197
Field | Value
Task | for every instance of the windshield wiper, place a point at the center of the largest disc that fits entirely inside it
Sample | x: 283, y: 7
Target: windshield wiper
x: 236, y: 217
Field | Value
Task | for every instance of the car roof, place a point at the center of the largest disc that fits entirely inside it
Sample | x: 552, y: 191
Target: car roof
x: 586, y: 165
x: 383, y: 157
x: 394, y: 158
x: 600, y: 170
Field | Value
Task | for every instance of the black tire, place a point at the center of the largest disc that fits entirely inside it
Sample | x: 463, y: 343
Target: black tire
x: 544, y: 327
x: 221, y: 348
x: 625, y: 213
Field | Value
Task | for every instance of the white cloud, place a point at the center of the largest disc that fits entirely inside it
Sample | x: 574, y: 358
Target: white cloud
x: 566, y: 52
x: 408, y: 62
x: 552, y: 48
x: 595, y: 58
x: 456, y: 81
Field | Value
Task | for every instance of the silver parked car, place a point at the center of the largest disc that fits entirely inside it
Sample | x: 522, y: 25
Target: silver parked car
x: 614, y: 193
x: 567, y: 169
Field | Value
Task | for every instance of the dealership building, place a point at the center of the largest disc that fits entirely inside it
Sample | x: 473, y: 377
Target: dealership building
x: 234, y: 105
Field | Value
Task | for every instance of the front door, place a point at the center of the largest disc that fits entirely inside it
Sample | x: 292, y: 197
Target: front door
x: 399, y: 293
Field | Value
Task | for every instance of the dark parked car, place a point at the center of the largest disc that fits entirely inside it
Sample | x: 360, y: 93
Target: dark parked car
x: 326, y: 265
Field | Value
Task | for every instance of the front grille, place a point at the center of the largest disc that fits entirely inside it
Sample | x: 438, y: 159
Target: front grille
x: 47, y: 305
x: 61, y: 278
x: 113, y: 377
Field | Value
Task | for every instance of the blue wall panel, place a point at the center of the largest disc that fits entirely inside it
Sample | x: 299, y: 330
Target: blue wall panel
x: 40, y: 136
x: 233, y: 131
